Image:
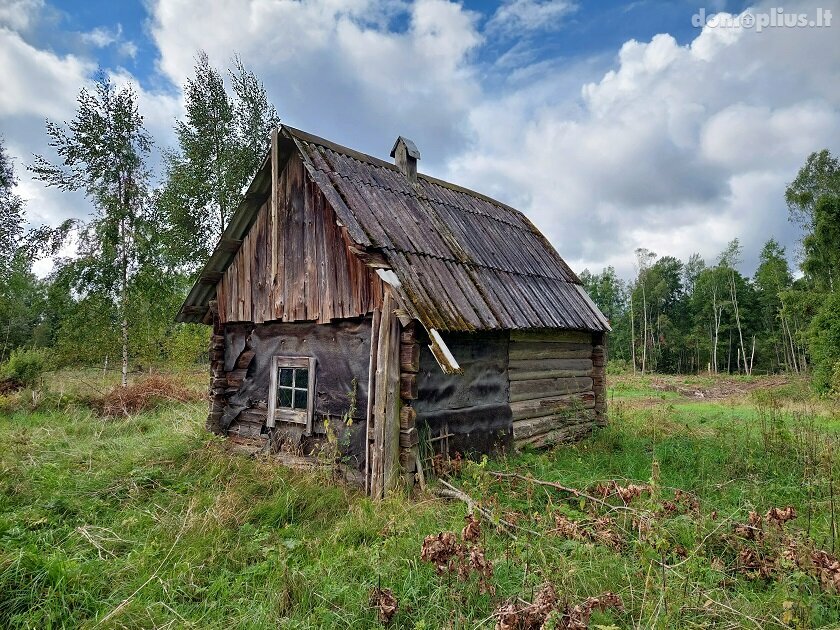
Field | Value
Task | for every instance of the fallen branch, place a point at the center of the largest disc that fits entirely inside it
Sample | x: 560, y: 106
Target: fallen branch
x: 558, y: 486
x: 451, y: 492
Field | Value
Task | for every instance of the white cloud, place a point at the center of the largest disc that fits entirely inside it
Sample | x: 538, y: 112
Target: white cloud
x: 40, y: 84
x: 516, y: 16
x: 333, y: 69
x: 678, y: 148
x: 18, y: 14
x: 103, y: 37
x: 100, y: 37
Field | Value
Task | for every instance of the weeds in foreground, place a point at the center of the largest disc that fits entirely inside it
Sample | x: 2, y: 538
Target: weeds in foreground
x: 145, y: 521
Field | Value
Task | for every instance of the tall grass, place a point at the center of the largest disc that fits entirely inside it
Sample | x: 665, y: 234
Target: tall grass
x: 146, y: 521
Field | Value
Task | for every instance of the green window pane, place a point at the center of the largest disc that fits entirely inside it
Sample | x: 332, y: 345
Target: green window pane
x: 302, y: 377
x: 284, y: 398
x: 286, y: 376
x: 300, y: 398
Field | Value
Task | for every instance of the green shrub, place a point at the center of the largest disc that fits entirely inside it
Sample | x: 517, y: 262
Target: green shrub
x: 24, y: 366
x: 618, y: 366
x: 824, y: 346
x: 835, y: 381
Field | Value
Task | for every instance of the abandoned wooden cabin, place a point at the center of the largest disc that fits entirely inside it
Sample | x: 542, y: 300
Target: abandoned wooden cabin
x: 359, y: 305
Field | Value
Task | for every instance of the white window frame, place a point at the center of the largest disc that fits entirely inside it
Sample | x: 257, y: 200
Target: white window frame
x: 295, y: 416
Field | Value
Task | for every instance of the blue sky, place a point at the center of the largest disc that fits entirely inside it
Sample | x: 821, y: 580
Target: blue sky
x: 613, y: 125
x: 587, y: 30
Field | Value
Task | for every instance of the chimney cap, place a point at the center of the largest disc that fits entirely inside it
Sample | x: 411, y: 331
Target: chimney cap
x: 410, y: 148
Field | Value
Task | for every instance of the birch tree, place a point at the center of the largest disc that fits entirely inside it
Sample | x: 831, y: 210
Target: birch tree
x: 103, y: 152
x: 221, y: 143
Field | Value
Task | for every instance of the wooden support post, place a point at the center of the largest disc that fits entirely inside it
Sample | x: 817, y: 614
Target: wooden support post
x: 374, y: 339
x: 386, y: 421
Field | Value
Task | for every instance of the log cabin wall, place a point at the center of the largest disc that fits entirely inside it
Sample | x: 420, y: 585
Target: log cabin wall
x: 557, y: 387
x: 242, y: 372
x: 295, y: 263
x: 472, y: 408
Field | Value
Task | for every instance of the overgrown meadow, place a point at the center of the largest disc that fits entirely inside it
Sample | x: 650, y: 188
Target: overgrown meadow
x: 705, y: 503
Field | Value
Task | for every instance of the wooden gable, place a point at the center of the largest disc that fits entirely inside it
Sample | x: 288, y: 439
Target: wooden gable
x: 295, y: 262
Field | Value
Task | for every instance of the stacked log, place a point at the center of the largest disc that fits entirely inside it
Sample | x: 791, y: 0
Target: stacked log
x: 599, y: 378
x: 556, y: 386
x: 409, y: 366
x: 218, y: 377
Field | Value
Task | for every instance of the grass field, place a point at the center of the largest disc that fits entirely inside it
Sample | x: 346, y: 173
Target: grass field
x: 146, y: 521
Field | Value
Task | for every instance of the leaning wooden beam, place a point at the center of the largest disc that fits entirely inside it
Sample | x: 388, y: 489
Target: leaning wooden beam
x: 374, y: 337
x: 386, y: 422
x: 442, y: 354
x: 391, y: 462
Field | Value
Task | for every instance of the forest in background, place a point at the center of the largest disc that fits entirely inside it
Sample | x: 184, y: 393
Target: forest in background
x: 706, y: 316
x: 112, y: 303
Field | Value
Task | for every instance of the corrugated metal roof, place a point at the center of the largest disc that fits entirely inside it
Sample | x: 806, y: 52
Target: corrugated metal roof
x: 465, y: 261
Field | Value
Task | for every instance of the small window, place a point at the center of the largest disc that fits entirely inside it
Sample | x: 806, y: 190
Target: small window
x: 292, y: 389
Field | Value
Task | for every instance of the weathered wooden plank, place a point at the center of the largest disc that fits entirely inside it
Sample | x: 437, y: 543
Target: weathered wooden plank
x: 548, y: 387
x: 410, y: 357
x: 551, y: 336
x: 245, y: 359
x: 235, y: 378
x: 409, y: 438
x: 372, y: 381
x: 557, y: 436
x: 532, y: 351
x: 533, y: 365
x: 529, y: 427
x: 391, y: 464
x: 230, y: 245
x: 577, y: 367
x: 386, y: 421
x: 554, y: 405
x: 408, y: 417
x: 408, y: 386
x: 528, y: 376
x: 312, y: 293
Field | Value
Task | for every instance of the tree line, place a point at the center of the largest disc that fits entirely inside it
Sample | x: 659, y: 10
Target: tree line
x: 113, y: 301
x: 703, y: 315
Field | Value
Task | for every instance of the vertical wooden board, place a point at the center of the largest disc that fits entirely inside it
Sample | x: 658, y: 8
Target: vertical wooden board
x: 271, y: 224
x: 280, y: 247
x: 391, y: 461
x: 220, y: 300
x: 313, y: 288
x: 233, y: 297
x: 245, y: 265
x: 292, y: 237
x: 377, y: 481
x: 264, y: 264
x: 369, y: 428
x: 299, y: 201
x: 321, y: 257
x: 339, y: 263
x: 328, y: 262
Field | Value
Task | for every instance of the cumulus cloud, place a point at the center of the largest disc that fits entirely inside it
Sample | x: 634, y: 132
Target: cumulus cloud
x: 678, y: 148
x: 18, y: 14
x: 334, y: 70
x: 40, y: 84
